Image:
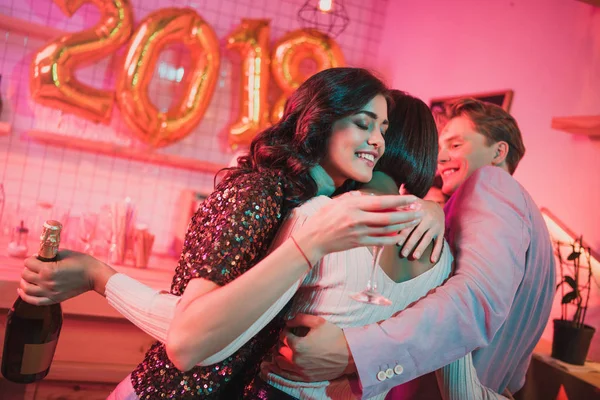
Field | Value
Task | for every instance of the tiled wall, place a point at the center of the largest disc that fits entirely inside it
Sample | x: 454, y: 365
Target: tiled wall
x: 79, y: 181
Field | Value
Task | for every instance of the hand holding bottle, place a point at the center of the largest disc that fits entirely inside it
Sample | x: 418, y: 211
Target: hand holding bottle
x: 32, y: 331
x: 72, y: 274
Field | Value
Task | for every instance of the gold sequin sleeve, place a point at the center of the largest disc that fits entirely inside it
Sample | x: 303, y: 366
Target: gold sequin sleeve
x: 232, y: 230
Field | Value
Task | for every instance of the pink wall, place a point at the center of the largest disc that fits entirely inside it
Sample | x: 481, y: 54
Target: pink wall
x: 548, y: 52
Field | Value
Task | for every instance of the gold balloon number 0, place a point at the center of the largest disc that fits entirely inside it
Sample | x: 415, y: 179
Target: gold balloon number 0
x: 53, y: 82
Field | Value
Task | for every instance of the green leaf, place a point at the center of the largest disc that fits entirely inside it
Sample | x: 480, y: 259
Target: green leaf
x: 571, y: 282
x: 574, y: 256
x: 569, y: 297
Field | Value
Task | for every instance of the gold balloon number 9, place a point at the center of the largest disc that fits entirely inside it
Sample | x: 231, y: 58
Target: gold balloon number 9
x: 53, y: 82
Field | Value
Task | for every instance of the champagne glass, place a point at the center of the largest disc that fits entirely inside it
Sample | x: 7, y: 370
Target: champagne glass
x: 370, y: 294
x: 88, y: 223
x: 106, y: 232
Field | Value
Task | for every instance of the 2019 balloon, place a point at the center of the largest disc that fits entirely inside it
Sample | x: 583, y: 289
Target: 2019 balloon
x: 53, y: 81
x: 52, y: 74
x: 157, y: 30
x: 251, y: 41
x: 290, y: 51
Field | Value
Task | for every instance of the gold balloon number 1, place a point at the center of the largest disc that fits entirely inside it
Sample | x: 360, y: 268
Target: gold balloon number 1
x: 53, y: 82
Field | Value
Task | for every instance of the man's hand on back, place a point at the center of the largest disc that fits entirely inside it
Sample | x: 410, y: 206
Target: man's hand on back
x: 322, y: 354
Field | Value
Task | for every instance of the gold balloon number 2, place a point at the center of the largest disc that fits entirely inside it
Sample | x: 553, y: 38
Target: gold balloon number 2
x: 53, y: 82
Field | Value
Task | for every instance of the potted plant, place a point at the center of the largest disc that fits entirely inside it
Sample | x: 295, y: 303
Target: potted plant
x: 572, y: 337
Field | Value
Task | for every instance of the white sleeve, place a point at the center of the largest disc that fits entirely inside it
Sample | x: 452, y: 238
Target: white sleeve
x: 459, y: 380
x: 152, y: 311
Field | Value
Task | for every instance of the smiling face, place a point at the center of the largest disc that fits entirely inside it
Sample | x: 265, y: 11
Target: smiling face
x: 356, y: 143
x: 462, y: 151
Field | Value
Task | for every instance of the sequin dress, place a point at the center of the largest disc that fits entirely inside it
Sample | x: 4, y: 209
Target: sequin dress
x: 231, y: 232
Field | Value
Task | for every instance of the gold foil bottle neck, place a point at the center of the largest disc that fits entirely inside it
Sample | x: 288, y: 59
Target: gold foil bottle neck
x: 50, y: 239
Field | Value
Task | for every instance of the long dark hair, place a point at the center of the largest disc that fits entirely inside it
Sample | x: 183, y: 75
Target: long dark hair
x: 299, y: 141
x: 411, y: 144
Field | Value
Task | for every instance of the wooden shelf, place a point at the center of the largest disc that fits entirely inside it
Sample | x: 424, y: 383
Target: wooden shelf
x: 5, y: 128
x: 110, y: 149
x: 27, y: 28
x: 583, y: 125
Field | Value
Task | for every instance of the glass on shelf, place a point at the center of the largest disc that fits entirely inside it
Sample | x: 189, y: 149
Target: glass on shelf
x: 88, y: 222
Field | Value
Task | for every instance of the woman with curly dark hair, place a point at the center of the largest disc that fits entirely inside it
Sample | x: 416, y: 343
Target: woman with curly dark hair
x: 331, y: 133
